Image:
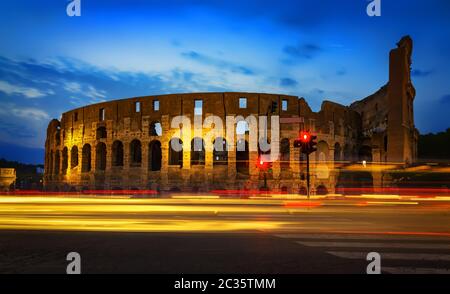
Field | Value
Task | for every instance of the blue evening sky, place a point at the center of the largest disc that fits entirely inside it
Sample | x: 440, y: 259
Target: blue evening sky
x: 50, y: 63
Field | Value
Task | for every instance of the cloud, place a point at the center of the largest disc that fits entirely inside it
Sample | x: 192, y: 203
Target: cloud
x: 302, y: 51
x: 218, y: 63
x: 16, y: 130
x: 341, y: 72
x: 28, y: 113
x: 421, y: 73
x: 27, y: 92
x: 288, y: 82
x: 72, y: 87
x: 75, y: 83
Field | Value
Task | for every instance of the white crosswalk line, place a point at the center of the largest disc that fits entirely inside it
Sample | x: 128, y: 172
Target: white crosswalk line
x: 375, y: 245
x: 357, y: 237
x: 412, y: 270
x: 393, y: 256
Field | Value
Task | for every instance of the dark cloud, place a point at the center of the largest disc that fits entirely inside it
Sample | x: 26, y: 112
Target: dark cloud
x: 288, y: 82
x: 445, y: 99
x: 302, y: 51
x: 421, y: 73
x: 218, y: 63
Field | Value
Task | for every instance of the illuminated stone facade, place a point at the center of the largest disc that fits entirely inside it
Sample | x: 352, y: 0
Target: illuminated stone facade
x: 125, y: 144
x: 7, y: 178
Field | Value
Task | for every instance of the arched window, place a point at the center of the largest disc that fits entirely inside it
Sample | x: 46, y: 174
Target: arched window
x: 135, y: 153
x: 117, y: 153
x: 57, y: 160
x: 101, y: 133
x: 321, y: 190
x: 176, y: 152
x: 322, y: 151
x: 365, y: 153
x: 155, y: 155
x: 220, y: 151
x: 155, y: 129
x: 65, y: 160
x: 74, y: 157
x: 285, y: 153
x: 337, y: 152
x: 86, y: 158
x: 58, y: 137
x: 242, y: 127
x: 242, y: 157
x: 347, y: 153
x: 264, y: 155
x: 197, y: 151
x: 100, y: 156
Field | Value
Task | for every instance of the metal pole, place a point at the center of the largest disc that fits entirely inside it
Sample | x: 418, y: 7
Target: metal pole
x: 307, y: 174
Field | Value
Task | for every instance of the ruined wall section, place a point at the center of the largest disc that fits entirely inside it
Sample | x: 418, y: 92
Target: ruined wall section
x: 75, y: 145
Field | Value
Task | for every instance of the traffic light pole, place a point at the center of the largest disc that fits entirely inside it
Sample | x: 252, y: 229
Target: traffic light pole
x: 307, y: 175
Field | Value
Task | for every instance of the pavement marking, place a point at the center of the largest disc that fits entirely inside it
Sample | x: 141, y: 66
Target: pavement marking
x: 356, y: 237
x: 374, y: 245
x: 413, y: 270
x: 393, y: 256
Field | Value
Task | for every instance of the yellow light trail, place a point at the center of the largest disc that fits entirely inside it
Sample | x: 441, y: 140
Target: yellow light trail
x: 186, y: 214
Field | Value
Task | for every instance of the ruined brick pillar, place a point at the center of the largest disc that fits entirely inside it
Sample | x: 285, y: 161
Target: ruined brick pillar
x: 400, y: 127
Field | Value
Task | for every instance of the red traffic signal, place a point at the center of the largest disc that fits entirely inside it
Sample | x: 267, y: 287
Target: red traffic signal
x: 305, y: 137
x: 306, y: 142
x: 262, y: 164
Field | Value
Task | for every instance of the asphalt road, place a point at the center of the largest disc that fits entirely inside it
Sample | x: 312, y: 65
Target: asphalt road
x: 229, y: 236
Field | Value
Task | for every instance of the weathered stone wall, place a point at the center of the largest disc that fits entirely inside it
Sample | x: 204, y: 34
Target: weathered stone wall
x: 7, y: 178
x: 111, y: 145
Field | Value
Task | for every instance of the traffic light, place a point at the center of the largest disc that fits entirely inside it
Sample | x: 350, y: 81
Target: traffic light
x: 306, y: 142
x: 262, y: 164
x: 313, y: 144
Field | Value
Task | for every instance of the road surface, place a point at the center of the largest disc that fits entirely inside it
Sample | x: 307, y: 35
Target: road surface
x: 206, y: 234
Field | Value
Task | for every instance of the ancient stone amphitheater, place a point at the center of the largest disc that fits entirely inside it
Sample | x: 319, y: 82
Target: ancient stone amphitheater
x: 125, y: 144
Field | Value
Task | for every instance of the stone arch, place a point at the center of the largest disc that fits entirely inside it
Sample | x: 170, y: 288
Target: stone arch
x: 347, y: 153
x: 155, y: 128
x: 337, y: 152
x: 117, y: 153
x: 57, y: 162
x: 242, y: 157
x: 322, y: 151
x: 74, y: 157
x: 220, y: 151
x: 155, y: 155
x: 242, y: 127
x: 58, y: 136
x: 135, y: 153
x: 100, y: 156
x: 302, y: 190
x: 86, y: 158
x: 365, y: 153
x: 285, y: 153
x: 321, y: 190
x: 197, y: 151
x: 175, y: 155
x: 65, y: 160
x: 101, y: 133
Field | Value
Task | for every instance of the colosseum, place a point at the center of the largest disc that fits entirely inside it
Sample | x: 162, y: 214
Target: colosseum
x: 125, y: 144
